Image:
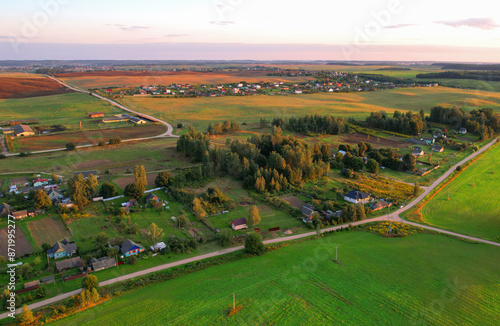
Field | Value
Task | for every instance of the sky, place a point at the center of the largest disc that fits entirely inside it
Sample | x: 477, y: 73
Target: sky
x: 398, y: 30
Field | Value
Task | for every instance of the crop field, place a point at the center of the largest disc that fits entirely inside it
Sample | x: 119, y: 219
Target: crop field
x: 156, y: 154
x: 474, y: 205
x: 137, y: 78
x: 89, y: 137
x: 65, y: 109
x: 201, y: 111
x: 19, y: 85
x: 47, y: 230
x: 422, y: 279
x: 22, y: 245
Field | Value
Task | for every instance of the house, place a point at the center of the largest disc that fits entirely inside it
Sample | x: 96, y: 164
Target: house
x: 20, y: 215
x: 152, y: 198
x: 62, y: 249
x: 417, y: 153
x: 129, y: 248
x: 463, y: 131
x: 429, y: 140
x: 23, y: 130
x: 32, y: 284
x: 87, y: 174
x: 115, y: 119
x: 158, y: 247
x: 99, y: 264
x: 137, y: 120
x: 5, y: 209
x: 380, y: 205
x: 357, y: 197
x: 69, y: 263
x: 437, y: 148
x: 93, y: 115
x: 307, y: 211
x: 240, y: 223
x: 38, y: 182
x: 298, y: 91
x: 68, y: 204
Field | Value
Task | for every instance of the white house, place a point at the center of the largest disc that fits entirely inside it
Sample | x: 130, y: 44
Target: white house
x: 357, y: 197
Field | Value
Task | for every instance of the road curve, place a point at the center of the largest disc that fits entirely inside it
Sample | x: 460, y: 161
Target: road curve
x: 394, y: 216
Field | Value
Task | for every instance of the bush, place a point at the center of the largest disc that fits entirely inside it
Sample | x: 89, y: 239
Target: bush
x: 180, y: 125
x: 90, y: 282
x: 24, y: 154
x: 2, y: 156
x: 132, y: 260
x: 225, y: 237
x: 102, y: 143
x: 459, y: 168
x: 70, y: 146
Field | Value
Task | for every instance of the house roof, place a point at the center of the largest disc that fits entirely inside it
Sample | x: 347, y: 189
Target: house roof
x: 102, y: 263
x: 5, y: 206
x: 356, y: 194
x: 20, y: 214
x: 22, y: 128
x: 69, y: 263
x: 239, y: 221
x: 128, y: 245
x: 86, y: 174
x: 380, y: 205
x: 438, y: 148
x: 151, y: 197
x: 64, y: 245
x: 306, y: 210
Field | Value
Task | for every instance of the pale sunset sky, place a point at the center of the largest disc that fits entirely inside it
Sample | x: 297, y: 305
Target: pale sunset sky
x: 400, y: 30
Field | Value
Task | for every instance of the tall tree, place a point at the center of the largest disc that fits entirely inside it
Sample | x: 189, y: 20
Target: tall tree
x: 42, y: 200
x: 253, y: 216
x: 198, y: 209
x: 254, y: 245
x: 140, y: 178
x: 90, y: 282
x: 154, y: 233
x: 26, y: 317
x: 108, y: 190
x: 77, y: 190
x: 163, y: 179
x: 372, y: 166
x: 54, y: 177
x: 92, y: 185
x: 410, y: 162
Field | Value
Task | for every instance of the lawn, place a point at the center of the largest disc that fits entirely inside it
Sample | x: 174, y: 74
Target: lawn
x: 473, y: 208
x: 422, y: 279
x: 201, y: 111
x: 66, y: 109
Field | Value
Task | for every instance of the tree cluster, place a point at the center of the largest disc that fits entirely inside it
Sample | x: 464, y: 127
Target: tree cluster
x: 483, y: 122
x: 222, y: 128
x: 408, y: 123
x: 81, y: 189
x: 313, y: 123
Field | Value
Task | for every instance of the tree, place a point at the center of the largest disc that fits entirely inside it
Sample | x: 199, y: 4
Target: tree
x: 78, y: 190
x: 94, y: 295
x: 133, y: 191
x: 112, y: 252
x: 198, y: 209
x: 101, y: 241
x: 42, y: 200
x: 90, y: 282
x: 140, y: 178
x: 253, y: 217
x: 46, y: 246
x: 54, y: 177
x: 362, y: 149
x: 26, y: 317
x: 410, y: 162
x: 360, y: 212
x: 40, y: 292
x: 225, y: 237
x: 108, y: 190
x: 182, y: 220
x: 372, y: 166
x: 416, y: 189
x: 132, y: 260
x: 83, y: 298
x: 154, y: 233
x: 26, y: 271
x: 254, y: 245
x: 37, y: 261
x: 163, y: 179
x: 70, y: 146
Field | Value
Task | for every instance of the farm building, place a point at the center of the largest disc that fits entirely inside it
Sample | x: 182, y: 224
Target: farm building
x: 417, y: 153
x: 463, y: 131
x: 307, y: 210
x: 62, y: 249
x: 31, y: 284
x: 54, y: 194
x: 93, y: 115
x: 381, y: 205
x: 20, y: 215
x: 38, y: 182
x: 129, y: 248
x: 158, y: 247
x: 240, y: 223
x: 115, y: 119
x: 357, y: 197
x: 87, y: 174
x: 152, y: 198
x: 99, y: 264
x: 437, y: 148
x: 23, y: 130
x: 69, y: 263
x: 5, y: 209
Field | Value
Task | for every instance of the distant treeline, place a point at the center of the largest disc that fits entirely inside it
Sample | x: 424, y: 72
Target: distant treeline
x: 394, y: 69
x: 313, y: 123
x: 465, y: 66
x: 387, y: 79
x: 490, y: 76
x: 483, y: 122
x: 50, y: 71
x: 409, y: 123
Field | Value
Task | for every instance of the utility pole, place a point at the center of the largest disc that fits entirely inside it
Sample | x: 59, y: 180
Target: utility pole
x: 234, y: 301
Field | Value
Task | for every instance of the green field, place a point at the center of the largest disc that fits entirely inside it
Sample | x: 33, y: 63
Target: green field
x: 422, y: 279
x: 200, y: 111
x: 65, y: 109
x: 474, y: 205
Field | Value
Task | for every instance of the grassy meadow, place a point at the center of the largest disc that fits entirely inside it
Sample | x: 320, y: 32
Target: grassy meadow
x: 201, y: 111
x: 421, y: 279
x: 474, y: 205
x: 65, y: 109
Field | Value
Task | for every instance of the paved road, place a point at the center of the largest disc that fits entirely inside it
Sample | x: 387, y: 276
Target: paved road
x: 394, y: 216
x: 168, y: 133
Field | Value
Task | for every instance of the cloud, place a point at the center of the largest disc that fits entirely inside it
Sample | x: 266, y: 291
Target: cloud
x: 400, y: 26
x: 222, y: 22
x: 126, y: 28
x: 176, y: 35
x: 481, y: 23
